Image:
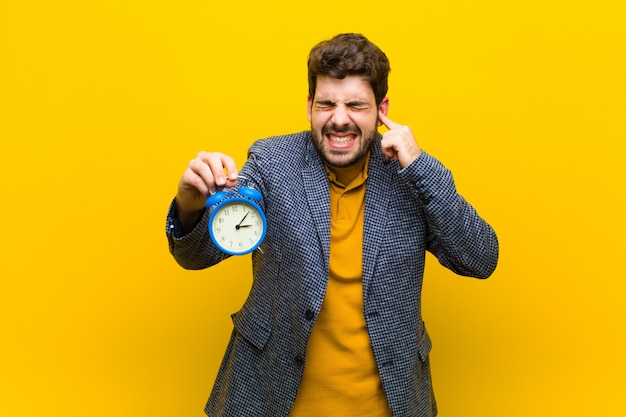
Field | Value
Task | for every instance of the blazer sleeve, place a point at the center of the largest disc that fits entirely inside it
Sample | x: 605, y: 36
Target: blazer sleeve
x: 193, y: 250
x: 460, y: 239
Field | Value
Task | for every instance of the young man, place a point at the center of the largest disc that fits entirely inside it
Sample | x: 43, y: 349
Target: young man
x: 333, y: 324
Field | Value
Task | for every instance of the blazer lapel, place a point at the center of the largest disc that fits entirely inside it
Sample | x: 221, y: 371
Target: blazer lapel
x: 377, y: 197
x: 317, y: 194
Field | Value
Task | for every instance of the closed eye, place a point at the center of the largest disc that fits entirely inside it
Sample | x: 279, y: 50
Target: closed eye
x: 324, y: 106
x: 356, y: 105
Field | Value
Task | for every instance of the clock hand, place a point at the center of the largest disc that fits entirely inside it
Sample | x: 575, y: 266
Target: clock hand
x: 244, y: 218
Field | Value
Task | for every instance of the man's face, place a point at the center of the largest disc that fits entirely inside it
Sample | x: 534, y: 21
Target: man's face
x: 344, y: 118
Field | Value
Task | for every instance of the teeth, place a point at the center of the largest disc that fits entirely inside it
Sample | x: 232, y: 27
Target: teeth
x: 340, y: 139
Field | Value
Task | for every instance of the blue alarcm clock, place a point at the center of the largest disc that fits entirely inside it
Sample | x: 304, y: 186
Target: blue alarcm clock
x: 237, y: 223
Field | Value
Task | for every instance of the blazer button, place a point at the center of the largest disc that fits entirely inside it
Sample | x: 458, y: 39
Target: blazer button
x: 309, y: 315
x: 299, y: 361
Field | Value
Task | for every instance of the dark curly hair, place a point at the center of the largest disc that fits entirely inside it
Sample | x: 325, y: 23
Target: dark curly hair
x: 350, y: 54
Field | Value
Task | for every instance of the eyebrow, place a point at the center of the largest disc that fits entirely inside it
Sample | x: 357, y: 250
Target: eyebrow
x: 355, y: 102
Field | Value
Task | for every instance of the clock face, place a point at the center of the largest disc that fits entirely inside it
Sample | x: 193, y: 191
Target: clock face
x: 237, y: 227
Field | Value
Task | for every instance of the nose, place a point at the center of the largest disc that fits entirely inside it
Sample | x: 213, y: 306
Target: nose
x: 341, y: 116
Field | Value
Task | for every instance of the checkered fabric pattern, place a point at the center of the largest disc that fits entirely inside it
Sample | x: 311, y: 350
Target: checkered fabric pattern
x: 407, y: 212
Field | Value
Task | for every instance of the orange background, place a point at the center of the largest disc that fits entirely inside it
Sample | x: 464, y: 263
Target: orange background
x: 102, y: 104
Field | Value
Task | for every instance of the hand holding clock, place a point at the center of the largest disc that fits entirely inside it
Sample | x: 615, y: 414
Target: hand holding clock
x: 204, y: 174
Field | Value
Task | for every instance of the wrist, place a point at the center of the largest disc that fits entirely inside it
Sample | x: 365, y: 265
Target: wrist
x: 188, y: 217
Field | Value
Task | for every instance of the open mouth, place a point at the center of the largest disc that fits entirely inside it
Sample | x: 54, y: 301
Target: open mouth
x: 341, y: 138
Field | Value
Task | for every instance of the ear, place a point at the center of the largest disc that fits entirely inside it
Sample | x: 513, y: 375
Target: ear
x: 383, y: 107
x: 309, y: 105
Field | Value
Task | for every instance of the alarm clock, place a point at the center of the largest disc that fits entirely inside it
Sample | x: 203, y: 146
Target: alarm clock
x: 237, y: 223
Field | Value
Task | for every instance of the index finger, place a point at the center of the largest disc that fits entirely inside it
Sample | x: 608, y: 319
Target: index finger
x: 387, y: 122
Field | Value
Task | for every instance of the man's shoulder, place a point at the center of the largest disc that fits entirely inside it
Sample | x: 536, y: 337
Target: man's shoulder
x: 291, y: 144
x: 288, y: 140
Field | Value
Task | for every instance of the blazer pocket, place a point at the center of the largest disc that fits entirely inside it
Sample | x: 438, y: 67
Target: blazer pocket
x: 254, y: 327
x: 424, y: 345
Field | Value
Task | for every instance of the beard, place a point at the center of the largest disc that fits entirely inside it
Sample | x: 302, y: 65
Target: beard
x: 341, y: 158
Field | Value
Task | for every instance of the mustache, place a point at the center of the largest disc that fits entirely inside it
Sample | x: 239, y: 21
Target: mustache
x: 340, y: 129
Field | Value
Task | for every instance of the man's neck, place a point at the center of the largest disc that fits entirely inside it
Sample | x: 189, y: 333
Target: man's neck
x: 345, y: 175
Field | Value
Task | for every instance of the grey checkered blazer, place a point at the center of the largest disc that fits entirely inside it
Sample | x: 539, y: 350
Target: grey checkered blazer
x: 407, y: 212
